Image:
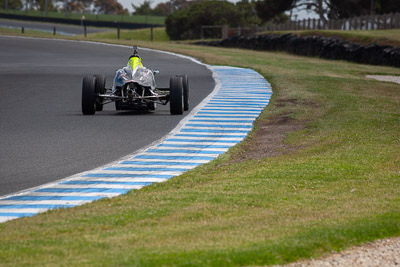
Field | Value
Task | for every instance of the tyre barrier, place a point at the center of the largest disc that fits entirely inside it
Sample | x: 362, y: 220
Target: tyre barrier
x: 221, y: 121
x: 315, y: 46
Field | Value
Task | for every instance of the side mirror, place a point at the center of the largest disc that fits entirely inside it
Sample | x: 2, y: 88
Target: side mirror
x: 156, y: 71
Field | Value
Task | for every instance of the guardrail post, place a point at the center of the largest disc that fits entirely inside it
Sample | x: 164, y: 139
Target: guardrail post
x: 366, y: 22
x: 378, y: 22
x: 385, y: 17
x: 369, y: 23
x: 225, y: 30
x: 372, y: 19
x: 22, y: 30
x: 54, y: 30
x: 118, y: 32
x: 391, y: 21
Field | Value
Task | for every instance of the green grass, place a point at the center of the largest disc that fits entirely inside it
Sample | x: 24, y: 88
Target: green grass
x: 117, y: 18
x: 382, y: 37
x: 335, y: 184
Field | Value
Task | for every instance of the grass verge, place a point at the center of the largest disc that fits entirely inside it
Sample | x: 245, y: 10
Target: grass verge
x: 334, y: 183
x: 362, y: 37
x: 159, y: 20
x: 382, y: 37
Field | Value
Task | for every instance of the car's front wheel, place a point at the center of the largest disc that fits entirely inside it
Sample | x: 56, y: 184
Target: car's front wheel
x: 100, y: 88
x: 88, y: 95
x: 176, y: 95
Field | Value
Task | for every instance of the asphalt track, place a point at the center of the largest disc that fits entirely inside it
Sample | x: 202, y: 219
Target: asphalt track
x: 44, y: 137
x: 62, y: 29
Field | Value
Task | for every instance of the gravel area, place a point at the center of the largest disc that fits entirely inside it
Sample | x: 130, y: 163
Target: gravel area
x: 385, y: 78
x: 384, y: 252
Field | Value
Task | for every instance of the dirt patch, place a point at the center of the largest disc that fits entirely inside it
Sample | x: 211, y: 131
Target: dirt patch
x: 384, y: 252
x: 385, y: 78
x: 268, y: 139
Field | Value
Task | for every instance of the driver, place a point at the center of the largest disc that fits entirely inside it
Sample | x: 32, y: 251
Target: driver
x: 134, y: 62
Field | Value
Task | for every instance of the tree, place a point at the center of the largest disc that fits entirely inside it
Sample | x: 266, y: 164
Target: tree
x: 144, y: 8
x: 110, y: 7
x: 351, y: 8
x: 11, y: 4
x: 183, y: 4
x: 186, y: 23
x: 41, y: 5
x: 272, y: 9
x: 388, y: 6
x: 72, y: 5
x: 162, y: 9
x: 320, y: 7
x: 77, y: 6
x: 248, y: 12
x: 339, y: 9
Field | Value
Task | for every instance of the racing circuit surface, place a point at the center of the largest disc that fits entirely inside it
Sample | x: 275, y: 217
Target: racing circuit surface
x: 43, y: 135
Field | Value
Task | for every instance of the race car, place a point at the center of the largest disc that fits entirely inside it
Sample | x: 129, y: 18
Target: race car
x: 134, y: 89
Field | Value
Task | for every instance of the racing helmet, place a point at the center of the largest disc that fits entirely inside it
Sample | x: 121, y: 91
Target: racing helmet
x: 135, y: 59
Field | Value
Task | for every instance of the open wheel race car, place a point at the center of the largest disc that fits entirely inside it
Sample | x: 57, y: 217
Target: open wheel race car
x: 134, y: 89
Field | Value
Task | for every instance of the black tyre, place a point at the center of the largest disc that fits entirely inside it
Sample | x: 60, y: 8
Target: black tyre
x: 176, y: 95
x: 100, y: 88
x: 151, y: 106
x: 117, y: 107
x: 88, y: 95
x: 185, y: 83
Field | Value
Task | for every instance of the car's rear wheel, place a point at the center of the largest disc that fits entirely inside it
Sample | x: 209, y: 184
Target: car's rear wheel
x: 88, y: 95
x: 100, y: 88
x: 176, y: 95
x: 185, y: 83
